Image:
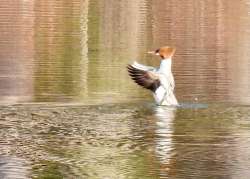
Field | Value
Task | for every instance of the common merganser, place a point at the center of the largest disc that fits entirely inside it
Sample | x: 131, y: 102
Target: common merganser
x: 159, y: 80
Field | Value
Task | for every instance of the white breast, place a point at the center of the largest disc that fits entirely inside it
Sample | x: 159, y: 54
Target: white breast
x: 164, y: 95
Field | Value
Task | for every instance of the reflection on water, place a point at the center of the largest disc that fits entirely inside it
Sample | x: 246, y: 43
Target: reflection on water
x: 13, y: 168
x: 125, y: 141
x: 75, y: 52
x: 164, y: 130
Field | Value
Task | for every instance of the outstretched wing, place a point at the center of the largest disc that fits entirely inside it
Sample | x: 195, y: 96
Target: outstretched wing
x: 143, y: 67
x: 144, y: 77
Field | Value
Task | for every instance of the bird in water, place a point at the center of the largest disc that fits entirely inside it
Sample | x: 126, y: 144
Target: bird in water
x: 159, y: 80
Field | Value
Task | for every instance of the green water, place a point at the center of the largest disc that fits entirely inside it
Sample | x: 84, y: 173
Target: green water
x: 126, y: 141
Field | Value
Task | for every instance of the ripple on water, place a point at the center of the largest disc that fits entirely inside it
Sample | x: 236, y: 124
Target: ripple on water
x: 124, y: 139
x: 13, y: 167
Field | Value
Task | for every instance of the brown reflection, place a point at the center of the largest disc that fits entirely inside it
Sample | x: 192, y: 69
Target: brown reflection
x: 238, y: 52
x: 78, y: 50
x: 212, y: 52
x: 16, y: 50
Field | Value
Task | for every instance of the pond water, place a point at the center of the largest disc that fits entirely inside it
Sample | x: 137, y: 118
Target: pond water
x: 69, y: 109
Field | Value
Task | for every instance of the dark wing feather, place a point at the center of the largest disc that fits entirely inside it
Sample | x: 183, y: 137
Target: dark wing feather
x: 146, y: 79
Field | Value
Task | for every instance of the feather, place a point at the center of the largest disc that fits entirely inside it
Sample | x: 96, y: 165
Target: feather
x: 146, y: 79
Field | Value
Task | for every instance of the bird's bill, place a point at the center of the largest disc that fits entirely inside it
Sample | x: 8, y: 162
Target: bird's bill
x: 153, y: 53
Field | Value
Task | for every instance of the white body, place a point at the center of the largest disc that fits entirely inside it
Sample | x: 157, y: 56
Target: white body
x: 164, y: 94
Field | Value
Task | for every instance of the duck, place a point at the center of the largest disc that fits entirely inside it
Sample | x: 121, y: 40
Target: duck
x: 160, y: 81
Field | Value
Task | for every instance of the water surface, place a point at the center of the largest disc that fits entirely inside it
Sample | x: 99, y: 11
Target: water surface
x: 69, y: 110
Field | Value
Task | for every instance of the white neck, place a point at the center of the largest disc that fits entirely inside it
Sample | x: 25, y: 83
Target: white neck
x: 165, y: 66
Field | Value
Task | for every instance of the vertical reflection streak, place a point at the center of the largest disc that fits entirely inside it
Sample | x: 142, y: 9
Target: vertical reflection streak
x: 84, y: 49
x: 163, y: 142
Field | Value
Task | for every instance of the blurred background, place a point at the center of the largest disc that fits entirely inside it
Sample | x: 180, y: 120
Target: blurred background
x: 77, y: 51
x: 77, y: 114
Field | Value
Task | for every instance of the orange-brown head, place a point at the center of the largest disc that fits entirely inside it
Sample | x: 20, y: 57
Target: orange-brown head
x: 164, y: 52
